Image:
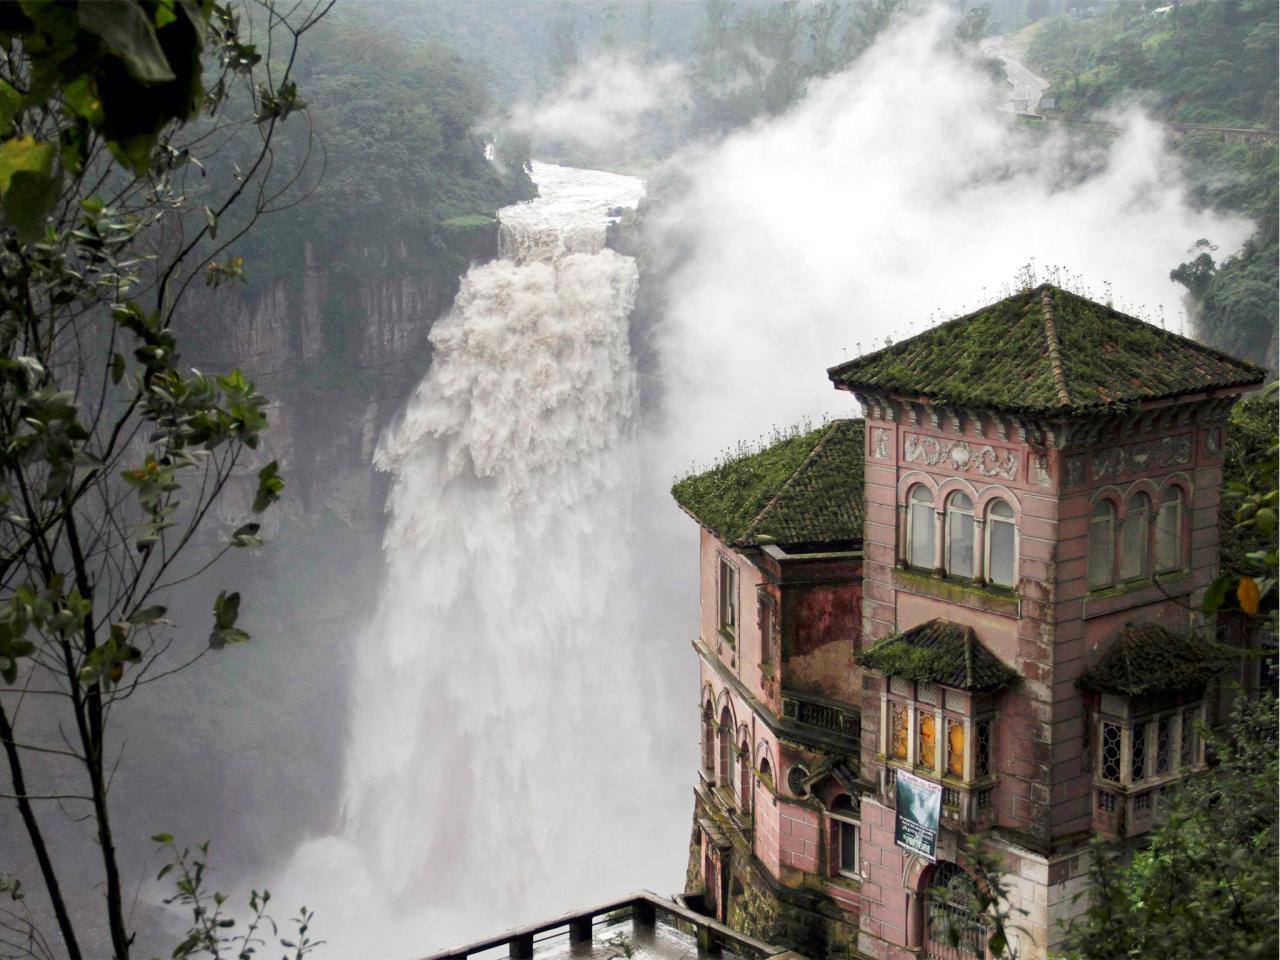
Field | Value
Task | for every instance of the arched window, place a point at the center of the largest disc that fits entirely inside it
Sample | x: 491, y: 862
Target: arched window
x: 744, y: 778
x: 709, y: 740
x: 844, y: 836
x: 1102, y: 545
x: 954, y: 925
x: 726, y: 749
x: 1135, y: 533
x: 766, y: 771
x: 1169, y: 531
x: 1002, y: 544
x: 959, y: 535
x: 920, y: 528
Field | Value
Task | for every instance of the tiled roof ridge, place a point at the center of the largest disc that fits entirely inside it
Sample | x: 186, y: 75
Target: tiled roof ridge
x: 1055, y: 350
x: 817, y: 448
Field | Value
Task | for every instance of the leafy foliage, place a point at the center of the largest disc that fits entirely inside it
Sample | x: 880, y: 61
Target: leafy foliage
x: 1209, y: 873
x: 113, y: 452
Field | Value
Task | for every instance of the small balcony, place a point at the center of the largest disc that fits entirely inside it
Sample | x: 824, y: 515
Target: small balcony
x: 832, y: 716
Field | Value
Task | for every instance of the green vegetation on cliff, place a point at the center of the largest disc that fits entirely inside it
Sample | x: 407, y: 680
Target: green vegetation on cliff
x: 1198, y: 63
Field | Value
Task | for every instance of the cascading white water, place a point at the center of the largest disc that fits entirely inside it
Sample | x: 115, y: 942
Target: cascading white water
x: 496, y: 763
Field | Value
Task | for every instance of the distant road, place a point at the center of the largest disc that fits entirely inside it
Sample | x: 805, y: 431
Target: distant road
x: 1025, y: 88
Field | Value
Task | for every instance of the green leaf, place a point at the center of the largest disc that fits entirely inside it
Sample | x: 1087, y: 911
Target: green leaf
x: 211, y: 219
x: 123, y: 27
x: 117, y: 367
x: 226, y: 610
x: 10, y: 101
x: 247, y: 536
x: 27, y: 184
x: 147, y: 615
x: 164, y: 870
x: 270, y: 485
x: 162, y: 838
x: 1216, y: 594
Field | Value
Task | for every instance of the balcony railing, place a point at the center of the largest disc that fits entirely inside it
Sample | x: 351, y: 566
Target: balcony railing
x: 646, y: 911
x: 823, y: 713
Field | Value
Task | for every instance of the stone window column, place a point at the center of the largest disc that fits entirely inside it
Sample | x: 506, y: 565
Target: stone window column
x: 914, y: 922
x: 903, y: 545
x: 970, y: 751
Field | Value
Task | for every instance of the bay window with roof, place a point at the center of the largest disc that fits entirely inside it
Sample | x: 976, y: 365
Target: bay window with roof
x: 1146, y: 711
x: 942, y: 727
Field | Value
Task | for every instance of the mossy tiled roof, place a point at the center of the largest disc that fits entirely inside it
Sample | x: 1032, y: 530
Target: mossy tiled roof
x: 803, y: 489
x: 1147, y: 658
x: 939, y: 651
x: 1045, y: 351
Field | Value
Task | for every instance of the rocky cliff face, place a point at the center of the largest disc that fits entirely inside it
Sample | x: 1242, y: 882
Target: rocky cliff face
x: 337, y: 346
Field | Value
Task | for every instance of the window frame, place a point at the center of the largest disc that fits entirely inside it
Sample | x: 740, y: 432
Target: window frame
x: 929, y: 508
x: 952, y: 512
x: 727, y: 594
x: 767, y: 623
x: 912, y: 708
x: 990, y: 520
x: 1177, y: 530
x: 1098, y: 521
x: 838, y: 820
x: 1137, y: 507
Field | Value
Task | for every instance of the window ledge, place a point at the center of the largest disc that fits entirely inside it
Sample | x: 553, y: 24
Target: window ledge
x: 967, y: 594
x: 727, y: 636
x: 1135, y: 593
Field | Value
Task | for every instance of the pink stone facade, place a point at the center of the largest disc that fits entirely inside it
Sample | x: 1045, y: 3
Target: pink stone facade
x: 803, y: 748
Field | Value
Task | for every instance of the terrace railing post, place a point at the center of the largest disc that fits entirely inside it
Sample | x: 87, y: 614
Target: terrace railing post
x: 643, y: 915
x: 708, y: 942
x: 521, y: 947
x: 580, y: 930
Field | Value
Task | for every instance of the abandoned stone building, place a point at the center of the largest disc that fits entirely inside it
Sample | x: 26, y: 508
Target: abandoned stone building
x: 981, y: 595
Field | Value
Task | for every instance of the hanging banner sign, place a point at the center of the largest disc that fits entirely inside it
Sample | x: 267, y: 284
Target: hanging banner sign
x: 915, y: 827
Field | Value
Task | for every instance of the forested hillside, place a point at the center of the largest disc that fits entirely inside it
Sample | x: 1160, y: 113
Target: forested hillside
x: 1205, y: 63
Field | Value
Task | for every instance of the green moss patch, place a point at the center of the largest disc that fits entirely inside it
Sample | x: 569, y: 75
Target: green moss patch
x: 1147, y: 658
x: 939, y: 651
x: 803, y: 488
x: 1045, y: 351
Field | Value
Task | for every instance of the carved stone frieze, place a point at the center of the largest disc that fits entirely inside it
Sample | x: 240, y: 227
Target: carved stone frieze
x: 1075, y: 469
x: 880, y: 441
x: 1159, y: 453
x: 1040, y: 469
x: 980, y: 458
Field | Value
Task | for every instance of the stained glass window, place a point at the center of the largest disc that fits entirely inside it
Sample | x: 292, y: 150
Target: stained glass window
x: 955, y: 748
x: 927, y: 753
x: 898, y: 730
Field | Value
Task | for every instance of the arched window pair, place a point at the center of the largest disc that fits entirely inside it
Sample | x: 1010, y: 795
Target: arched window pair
x: 1141, y: 541
x: 995, y: 561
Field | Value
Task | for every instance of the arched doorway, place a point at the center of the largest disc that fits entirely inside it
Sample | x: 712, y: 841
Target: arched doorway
x: 954, y: 929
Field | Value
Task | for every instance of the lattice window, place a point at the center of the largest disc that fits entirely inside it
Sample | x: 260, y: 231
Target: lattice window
x: 955, y: 747
x: 898, y: 743
x: 954, y: 700
x: 1187, y: 752
x: 901, y: 687
x: 927, y: 740
x: 1164, y: 757
x: 1142, y: 802
x: 1106, y: 801
x: 982, y: 745
x: 951, y: 799
x: 1110, y: 748
x: 927, y: 693
x: 1138, y: 753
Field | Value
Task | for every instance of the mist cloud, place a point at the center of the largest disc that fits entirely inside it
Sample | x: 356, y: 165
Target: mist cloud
x: 892, y: 195
x: 609, y: 103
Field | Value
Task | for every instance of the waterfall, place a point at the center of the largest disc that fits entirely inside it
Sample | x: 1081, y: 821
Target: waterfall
x: 495, y: 766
